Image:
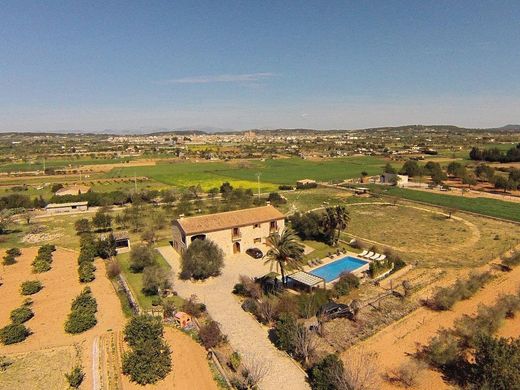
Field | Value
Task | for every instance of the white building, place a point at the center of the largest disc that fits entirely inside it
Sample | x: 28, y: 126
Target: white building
x: 232, y: 231
x: 394, y: 179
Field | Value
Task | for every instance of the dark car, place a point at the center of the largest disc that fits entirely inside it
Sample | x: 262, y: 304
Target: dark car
x: 333, y: 310
x: 255, y: 253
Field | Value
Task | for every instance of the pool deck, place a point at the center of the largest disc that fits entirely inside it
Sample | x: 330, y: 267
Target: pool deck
x: 328, y: 260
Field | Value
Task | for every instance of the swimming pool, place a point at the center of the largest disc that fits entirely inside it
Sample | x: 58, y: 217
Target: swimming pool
x: 331, y: 271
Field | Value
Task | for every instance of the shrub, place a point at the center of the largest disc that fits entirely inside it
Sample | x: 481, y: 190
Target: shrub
x: 210, y: 334
x: 14, y: 252
x: 234, y: 361
x: 285, y: 188
x: 445, y: 297
x: 192, y: 307
x: 5, y: 362
x: 86, y: 272
x: 346, y: 283
x: 141, y: 256
x: 31, y: 287
x: 83, y: 313
x: 251, y: 288
x: 202, y: 259
x: 13, y: 333
x: 309, y: 303
x: 325, y: 375
x: 21, y: 315
x: 250, y: 305
x: 285, y: 332
x: 9, y: 260
x: 512, y: 260
x: 239, y: 289
x: 113, y: 268
x: 75, y: 377
x: 43, y: 260
x: 443, y: 350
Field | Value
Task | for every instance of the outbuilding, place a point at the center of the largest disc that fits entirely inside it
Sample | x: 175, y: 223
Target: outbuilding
x: 54, y: 208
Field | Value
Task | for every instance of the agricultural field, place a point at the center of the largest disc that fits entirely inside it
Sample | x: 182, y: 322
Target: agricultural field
x: 51, y: 307
x: 242, y: 173
x: 485, y: 206
x: 38, y: 165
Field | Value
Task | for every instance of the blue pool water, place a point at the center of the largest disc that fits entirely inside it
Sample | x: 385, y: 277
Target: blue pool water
x: 331, y: 271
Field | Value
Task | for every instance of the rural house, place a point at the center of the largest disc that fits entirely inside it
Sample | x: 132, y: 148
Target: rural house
x: 53, y: 208
x: 233, y: 231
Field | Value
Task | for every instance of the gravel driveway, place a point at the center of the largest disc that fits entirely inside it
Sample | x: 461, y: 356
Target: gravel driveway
x: 244, y: 333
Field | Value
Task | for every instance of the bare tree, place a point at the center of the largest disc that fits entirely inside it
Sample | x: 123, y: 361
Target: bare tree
x: 255, y: 369
x: 267, y: 310
x: 305, y: 343
x: 407, y: 374
x: 355, y: 305
x: 361, y: 371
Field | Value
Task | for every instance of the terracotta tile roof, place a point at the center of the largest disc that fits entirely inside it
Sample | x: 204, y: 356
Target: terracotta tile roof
x: 229, y: 219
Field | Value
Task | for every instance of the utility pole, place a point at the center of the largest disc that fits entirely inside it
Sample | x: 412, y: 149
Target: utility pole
x: 258, y: 181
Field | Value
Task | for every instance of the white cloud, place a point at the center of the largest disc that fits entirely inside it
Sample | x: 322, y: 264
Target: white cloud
x: 222, y: 78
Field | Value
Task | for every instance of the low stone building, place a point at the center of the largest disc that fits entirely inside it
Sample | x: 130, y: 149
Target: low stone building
x: 54, y: 208
x: 233, y: 231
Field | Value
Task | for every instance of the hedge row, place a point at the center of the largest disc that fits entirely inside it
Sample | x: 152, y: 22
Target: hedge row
x: 445, y: 297
x: 86, y: 258
x: 43, y: 260
x: 82, y: 315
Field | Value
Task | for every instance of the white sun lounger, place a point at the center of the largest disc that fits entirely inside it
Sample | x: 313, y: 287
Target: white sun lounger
x: 369, y: 254
x: 363, y: 254
x: 382, y: 257
x: 375, y: 256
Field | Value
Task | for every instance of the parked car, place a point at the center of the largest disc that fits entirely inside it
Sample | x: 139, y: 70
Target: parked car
x: 332, y: 310
x: 255, y: 253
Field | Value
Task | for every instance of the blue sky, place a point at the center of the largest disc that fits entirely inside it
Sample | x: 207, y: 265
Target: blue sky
x: 97, y: 65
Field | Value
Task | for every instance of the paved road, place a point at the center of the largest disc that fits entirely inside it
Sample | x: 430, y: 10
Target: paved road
x: 244, y: 333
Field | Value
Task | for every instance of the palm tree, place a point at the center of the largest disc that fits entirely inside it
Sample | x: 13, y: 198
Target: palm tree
x: 342, y: 219
x: 330, y: 223
x: 285, y: 251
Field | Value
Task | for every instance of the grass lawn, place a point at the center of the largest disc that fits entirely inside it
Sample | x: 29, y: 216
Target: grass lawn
x: 243, y: 173
x: 485, y: 206
x: 135, y: 280
x: 422, y: 234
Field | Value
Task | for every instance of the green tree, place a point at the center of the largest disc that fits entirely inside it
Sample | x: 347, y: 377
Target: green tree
x: 202, y: 259
x: 497, y: 362
x: 75, y: 377
x: 155, y: 279
x: 102, y: 220
x: 82, y: 226
x: 141, y: 256
x: 150, y: 358
x: 389, y: 169
x: 285, y: 251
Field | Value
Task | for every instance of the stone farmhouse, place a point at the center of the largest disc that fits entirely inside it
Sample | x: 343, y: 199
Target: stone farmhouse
x: 233, y: 231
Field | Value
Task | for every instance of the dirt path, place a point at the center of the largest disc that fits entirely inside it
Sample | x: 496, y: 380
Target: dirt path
x: 190, y: 366
x: 395, y: 343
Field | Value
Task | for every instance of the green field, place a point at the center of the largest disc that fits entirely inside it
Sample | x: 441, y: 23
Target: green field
x: 484, y: 206
x: 243, y: 173
x: 59, y: 163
